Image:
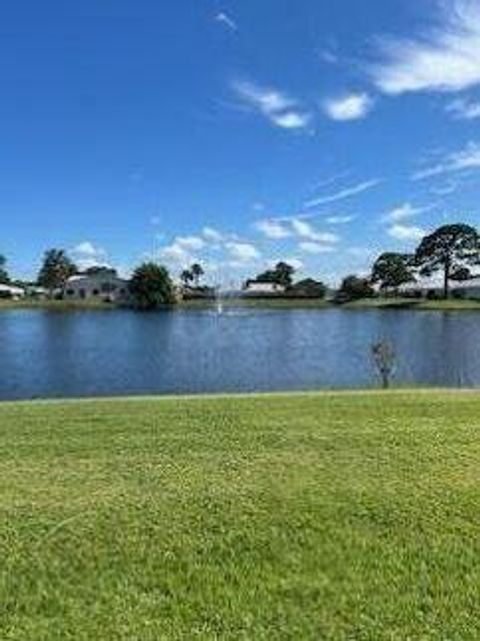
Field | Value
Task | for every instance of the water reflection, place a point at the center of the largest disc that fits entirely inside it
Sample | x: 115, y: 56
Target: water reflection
x: 121, y: 352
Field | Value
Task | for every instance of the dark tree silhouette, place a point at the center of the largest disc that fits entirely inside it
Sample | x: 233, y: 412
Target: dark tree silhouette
x: 391, y: 270
x: 56, y: 269
x: 449, y: 249
x: 4, y: 277
x: 151, y: 286
x: 197, y: 272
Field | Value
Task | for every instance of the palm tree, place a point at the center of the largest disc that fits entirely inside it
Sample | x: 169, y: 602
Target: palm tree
x: 186, y: 277
x: 197, y: 272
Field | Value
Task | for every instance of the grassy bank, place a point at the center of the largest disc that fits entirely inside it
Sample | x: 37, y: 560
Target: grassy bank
x: 414, y: 304
x: 55, y: 305
x: 263, y: 303
x: 331, y: 516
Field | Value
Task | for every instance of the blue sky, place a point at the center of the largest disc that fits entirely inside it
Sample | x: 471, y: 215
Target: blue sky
x: 236, y: 132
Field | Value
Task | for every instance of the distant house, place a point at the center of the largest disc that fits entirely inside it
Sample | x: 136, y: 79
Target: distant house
x: 263, y: 288
x: 467, y: 288
x: 433, y: 288
x: 103, y: 285
x: 11, y: 291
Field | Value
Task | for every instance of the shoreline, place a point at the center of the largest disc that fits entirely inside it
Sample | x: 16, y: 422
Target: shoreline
x: 382, y: 304
x: 222, y: 396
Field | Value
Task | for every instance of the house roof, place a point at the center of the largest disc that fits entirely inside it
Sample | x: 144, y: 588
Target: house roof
x: 11, y: 289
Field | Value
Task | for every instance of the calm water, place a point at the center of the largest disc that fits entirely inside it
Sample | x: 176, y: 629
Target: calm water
x: 45, y: 354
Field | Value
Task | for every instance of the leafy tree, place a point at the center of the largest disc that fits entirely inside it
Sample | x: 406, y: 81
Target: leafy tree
x: 282, y: 274
x: 4, y: 277
x: 101, y: 270
x: 186, y: 277
x: 197, y: 272
x: 449, y: 249
x: 151, y: 286
x: 56, y: 269
x: 461, y: 274
x: 309, y: 288
x: 391, y: 270
x: 353, y: 288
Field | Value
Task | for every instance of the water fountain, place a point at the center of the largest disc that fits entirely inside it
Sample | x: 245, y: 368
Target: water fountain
x: 218, y: 300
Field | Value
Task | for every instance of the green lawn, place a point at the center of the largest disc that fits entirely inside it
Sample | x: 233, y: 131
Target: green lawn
x: 451, y: 304
x: 348, y: 516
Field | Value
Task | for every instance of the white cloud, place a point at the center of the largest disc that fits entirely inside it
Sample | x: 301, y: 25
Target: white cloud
x: 281, y: 110
x: 243, y: 252
x: 344, y: 193
x: 87, y: 254
x: 463, y: 109
x: 291, y: 119
x: 212, y: 235
x: 272, y: 229
x: 466, y: 158
x: 339, y: 220
x: 305, y: 230
x: 87, y: 249
x: 177, y: 255
x: 352, y: 107
x: 404, y: 212
x: 190, y: 243
x: 447, y: 58
x: 225, y: 20
x: 406, y: 232
x: 311, y: 247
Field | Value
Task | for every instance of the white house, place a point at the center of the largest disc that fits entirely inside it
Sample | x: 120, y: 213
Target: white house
x: 10, y: 291
x: 262, y: 287
x: 103, y: 285
x: 425, y: 287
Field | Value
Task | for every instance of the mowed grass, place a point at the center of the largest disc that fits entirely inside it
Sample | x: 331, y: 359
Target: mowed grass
x: 330, y: 516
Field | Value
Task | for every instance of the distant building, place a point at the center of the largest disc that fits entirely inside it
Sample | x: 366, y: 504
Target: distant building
x: 262, y: 287
x: 103, y: 285
x: 11, y: 291
x: 467, y: 288
x: 433, y: 288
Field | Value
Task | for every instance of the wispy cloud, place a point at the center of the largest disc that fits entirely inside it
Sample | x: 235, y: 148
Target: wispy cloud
x: 328, y: 56
x: 405, y: 212
x: 225, y: 20
x: 212, y: 235
x: 273, y: 229
x: 464, y: 159
x: 281, y: 110
x: 348, y: 192
x: 446, y: 189
x: 447, y: 58
x: 464, y: 109
x: 354, y: 106
x: 305, y: 230
x: 339, y: 220
x: 311, y: 247
x: 406, y: 232
x: 243, y: 252
x: 190, y: 243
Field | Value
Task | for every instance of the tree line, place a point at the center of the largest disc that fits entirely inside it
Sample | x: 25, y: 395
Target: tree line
x: 451, y: 250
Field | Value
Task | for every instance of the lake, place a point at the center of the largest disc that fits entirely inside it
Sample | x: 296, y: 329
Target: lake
x: 71, y: 354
